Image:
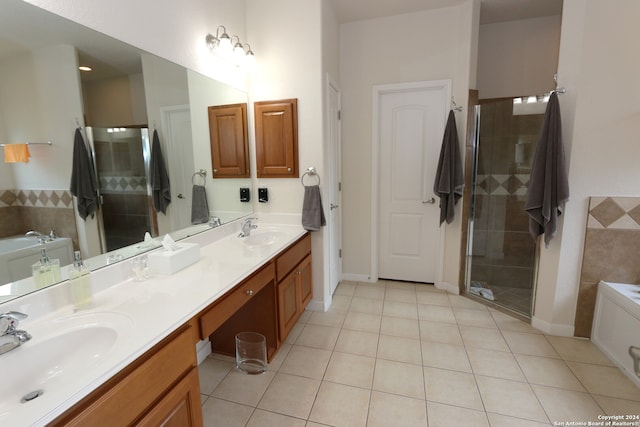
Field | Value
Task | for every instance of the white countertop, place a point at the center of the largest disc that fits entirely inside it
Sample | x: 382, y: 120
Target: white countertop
x: 145, y: 313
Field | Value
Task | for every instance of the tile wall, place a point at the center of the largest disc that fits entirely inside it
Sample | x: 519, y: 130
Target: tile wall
x: 611, y: 252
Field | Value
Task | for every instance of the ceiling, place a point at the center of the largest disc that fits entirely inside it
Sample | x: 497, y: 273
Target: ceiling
x: 490, y: 10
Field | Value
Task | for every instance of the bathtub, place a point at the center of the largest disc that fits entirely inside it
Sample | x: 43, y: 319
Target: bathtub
x: 616, y: 324
x: 18, y: 254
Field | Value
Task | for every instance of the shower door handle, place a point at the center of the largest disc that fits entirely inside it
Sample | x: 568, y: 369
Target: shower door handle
x: 180, y: 196
x: 431, y: 201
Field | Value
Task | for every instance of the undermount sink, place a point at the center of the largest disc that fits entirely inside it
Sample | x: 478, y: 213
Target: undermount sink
x: 58, y: 350
x: 263, y: 237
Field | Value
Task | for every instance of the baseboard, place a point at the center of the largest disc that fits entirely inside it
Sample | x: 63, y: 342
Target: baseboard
x: 316, y: 305
x: 203, y: 349
x: 357, y: 278
x: 551, y: 328
x: 446, y: 286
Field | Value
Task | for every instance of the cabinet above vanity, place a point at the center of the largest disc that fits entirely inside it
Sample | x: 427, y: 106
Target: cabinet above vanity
x: 276, y: 124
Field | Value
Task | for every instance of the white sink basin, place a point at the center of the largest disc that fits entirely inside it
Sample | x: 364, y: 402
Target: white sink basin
x: 263, y: 237
x: 57, y: 351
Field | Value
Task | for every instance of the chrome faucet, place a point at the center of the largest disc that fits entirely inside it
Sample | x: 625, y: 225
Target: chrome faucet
x: 247, y: 226
x: 42, y: 238
x: 214, y: 221
x: 10, y: 337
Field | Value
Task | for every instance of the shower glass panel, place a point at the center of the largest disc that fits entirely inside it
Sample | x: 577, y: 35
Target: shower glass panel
x: 122, y: 163
x: 501, y: 252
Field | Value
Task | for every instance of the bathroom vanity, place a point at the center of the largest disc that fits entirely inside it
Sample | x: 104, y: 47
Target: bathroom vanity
x: 145, y: 369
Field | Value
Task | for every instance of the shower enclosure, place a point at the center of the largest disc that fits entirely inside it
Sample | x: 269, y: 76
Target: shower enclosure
x: 122, y: 164
x: 501, y: 254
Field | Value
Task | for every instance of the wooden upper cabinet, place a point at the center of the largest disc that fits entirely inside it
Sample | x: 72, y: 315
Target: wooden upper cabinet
x: 277, y: 138
x: 229, y: 144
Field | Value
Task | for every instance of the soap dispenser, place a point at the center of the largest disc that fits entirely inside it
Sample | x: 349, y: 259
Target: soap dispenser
x: 80, y: 283
x: 46, y: 271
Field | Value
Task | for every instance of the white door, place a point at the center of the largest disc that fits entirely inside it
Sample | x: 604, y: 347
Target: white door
x: 176, y: 122
x: 335, y: 200
x: 411, y: 125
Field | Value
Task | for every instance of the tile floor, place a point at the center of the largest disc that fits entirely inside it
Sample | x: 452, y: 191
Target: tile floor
x: 399, y: 354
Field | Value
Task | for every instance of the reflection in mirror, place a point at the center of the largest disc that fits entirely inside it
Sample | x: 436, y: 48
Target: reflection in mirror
x: 43, y: 97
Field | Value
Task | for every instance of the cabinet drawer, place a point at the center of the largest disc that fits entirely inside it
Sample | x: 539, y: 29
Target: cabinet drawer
x: 133, y: 394
x: 221, y: 311
x: 296, y: 253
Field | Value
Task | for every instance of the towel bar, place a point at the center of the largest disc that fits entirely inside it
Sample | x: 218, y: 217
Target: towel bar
x: 203, y: 175
x: 311, y: 172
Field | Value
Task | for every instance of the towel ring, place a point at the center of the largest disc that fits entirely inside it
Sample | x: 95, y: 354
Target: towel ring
x: 203, y: 174
x: 311, y: 172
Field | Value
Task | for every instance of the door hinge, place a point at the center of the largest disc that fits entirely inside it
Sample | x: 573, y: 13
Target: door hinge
x: 339, y: 114
x: 340, y: 186
x: 339, y: 253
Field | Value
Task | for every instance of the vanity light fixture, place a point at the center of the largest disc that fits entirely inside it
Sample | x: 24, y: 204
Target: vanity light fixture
x: 221, y: 41
x: 229, y: 47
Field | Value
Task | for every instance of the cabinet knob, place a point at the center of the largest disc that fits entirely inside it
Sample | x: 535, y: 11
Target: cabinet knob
x: 215, y: 171
x: 288, y: 169
x: 249, y: 292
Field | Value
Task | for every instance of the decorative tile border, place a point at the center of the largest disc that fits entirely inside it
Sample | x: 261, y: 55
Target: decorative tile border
x: 120, y: 184
x: 37, y: 198
x: 502, y: 185
x: 619, y: 213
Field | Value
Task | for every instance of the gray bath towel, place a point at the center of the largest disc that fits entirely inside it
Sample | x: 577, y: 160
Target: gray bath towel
x: 83, y: 179
x: 312, y: 214
x: 161, y: 191
x: 199, y: 205
x: 449, y: 181
x: 548, y: 185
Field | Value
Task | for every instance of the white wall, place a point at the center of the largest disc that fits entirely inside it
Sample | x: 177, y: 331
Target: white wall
x: 599, y: 67
x: 514, y: 57
x: 430, y: 45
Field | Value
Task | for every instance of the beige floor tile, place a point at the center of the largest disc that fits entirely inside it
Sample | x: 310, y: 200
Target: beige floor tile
x: 340, y: 302
x: 452, y: 416
x: 613, y: 406
x: 490, y: 339
x: 216, y: 412
x: 447, y: 333
x: 369, y: 291
x: 366, y: 305
x: 340, y: 405
x: 211, y: 372
x: 394, y: 284
x: 445, y: 356
x: 433, y: 298
x: 578, y: 350
x: 312, y: 424
x: 435, y: 313
x: 276, y: 362
x: 323, y: 337
x: 290, y: 395
x: 549, y: 372
x: 398, y: 378
x: 530, y: 344
x: 304, y: 317
x: 464, y: 302
x: 605, y: 381
x: 306, y: 362
x: 398, y: 411
x: 351, y: 369
x: 262, y: 418
x: 508, y: 323
x: 399, y: 349
x: 327, y: 318
x: 452, y: 388
x: 346, y: 287
x: 363, y: 322
x: 512, y: 398
x: 494, y: 363
x: 295, y: 333
x: 562, y: 405
x: 472, y: 317
x: 429, y: 287
x: 400, y: 309
x: 241, y: 388
x: 356, y: 342
x: 497, y: 420
x: 400, y: 295
x: 398, y: 327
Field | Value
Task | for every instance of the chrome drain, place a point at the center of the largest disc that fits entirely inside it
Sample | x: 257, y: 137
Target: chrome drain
x: 32, y: 395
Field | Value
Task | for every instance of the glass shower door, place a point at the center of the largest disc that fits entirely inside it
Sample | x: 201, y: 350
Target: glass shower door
x: 501, y: 254
x: 122, y: 162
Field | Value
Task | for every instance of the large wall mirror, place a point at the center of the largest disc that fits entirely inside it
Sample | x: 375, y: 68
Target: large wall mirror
x: 118, y: 105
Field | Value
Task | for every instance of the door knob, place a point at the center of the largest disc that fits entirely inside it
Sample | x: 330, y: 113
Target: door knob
x: 180, y: 196
x: 431, y: 201
x: 332, y: 206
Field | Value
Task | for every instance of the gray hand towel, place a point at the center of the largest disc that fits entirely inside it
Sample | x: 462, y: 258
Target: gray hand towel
x: 449, y: 181
x: 161, y: 191
x: 549, y: 184
x: 199, y: 205
x: 312, y: 214
x: 83, y: 180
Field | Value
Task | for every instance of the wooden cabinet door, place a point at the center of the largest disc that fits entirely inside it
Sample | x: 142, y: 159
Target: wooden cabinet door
x: 287, y: 304
x: 179, y: 407
x: 229, y: 143
x: 276, y: 125
x: 305, y: 285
